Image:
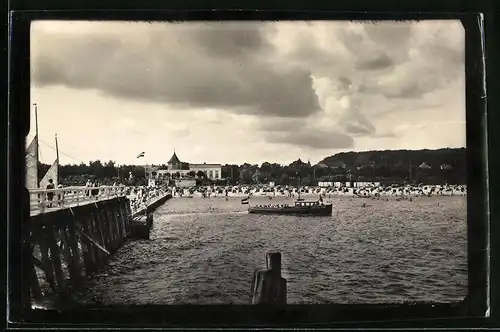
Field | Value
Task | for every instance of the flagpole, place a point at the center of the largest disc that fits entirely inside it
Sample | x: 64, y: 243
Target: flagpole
x: 141, y: 155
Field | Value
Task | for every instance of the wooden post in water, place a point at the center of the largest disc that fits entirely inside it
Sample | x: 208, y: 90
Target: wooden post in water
x: 268, y: 287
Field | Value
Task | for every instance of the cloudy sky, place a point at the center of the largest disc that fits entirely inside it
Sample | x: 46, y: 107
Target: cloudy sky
x: 239, y: 92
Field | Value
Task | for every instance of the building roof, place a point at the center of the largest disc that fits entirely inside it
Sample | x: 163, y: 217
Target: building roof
x: 174, y: 159
x: 204, y: 165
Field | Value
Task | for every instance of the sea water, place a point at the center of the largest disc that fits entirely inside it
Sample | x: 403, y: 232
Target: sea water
x: 204, y: 251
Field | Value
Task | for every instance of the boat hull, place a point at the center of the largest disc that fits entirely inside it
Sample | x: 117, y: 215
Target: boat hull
x: 320, y: 210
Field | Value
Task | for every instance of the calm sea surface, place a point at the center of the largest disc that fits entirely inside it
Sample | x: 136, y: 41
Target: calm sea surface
x: 204, y: 251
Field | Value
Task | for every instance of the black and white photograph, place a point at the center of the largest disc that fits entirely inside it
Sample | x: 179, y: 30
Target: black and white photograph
x: 247, y: 162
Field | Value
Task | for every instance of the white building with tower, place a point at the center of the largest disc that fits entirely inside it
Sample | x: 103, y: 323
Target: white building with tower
x: 175, y: 165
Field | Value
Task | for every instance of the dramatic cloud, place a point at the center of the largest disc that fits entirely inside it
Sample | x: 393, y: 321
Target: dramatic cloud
x: 314, y: 85
x: 380, y: 62
x: 199, y: 65
x: 313, y: 139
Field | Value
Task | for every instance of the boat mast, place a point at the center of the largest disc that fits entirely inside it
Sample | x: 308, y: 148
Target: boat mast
x: 57, y: 149
x: 36, y: 144
x: 57, y: 160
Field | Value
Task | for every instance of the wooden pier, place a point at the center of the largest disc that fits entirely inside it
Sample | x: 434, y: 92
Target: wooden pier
x: 66, y: 243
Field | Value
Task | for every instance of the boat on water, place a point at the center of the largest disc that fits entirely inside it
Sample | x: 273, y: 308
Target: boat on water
x: 302, y: 207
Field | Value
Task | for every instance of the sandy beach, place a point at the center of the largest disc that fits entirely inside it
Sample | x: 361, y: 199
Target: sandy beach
x: 312, y: 191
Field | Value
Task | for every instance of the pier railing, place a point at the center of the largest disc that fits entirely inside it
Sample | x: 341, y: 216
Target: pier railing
x: 43, y: 199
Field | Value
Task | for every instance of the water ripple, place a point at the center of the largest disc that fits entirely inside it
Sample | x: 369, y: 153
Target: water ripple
x: 204, y: 251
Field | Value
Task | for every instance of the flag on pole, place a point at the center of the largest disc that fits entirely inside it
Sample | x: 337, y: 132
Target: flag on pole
x: 140, y: 155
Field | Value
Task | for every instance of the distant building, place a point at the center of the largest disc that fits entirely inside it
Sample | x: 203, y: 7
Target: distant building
x: 175, y: 165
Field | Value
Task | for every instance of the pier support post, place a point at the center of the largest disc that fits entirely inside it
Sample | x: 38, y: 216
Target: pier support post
x: 268, y: 287
x: 123, y: 218
x: 128, y: 214
x: 89, y: 252
x: 75, y: 263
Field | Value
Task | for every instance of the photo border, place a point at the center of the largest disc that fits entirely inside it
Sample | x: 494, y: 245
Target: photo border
x: 474, y: 306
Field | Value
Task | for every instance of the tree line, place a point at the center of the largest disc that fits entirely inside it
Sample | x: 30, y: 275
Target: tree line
x: 391, y: 166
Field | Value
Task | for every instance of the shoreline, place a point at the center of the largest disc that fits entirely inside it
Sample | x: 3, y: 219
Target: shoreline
x: 316, y: 196
x: 315, y: 191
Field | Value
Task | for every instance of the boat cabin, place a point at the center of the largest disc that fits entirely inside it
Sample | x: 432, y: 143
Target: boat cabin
x: 304, y: 203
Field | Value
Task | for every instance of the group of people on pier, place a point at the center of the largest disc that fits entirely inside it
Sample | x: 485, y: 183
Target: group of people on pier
x: 140, y: 196
x: 50, y: 195
x: 93, y: 192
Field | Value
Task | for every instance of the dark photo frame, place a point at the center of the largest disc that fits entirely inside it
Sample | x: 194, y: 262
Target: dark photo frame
x: 473, y: 310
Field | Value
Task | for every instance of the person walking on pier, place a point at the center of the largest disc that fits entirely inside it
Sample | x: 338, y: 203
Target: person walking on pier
x: 88, y: 185
x: 50, y: 195
x: 60, y: 195
x: 95, y: 191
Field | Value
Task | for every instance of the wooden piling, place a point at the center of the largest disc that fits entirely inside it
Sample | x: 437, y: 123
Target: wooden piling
x: 34, y: 285
x: 46, y: 261
x: 55, y: 256
x: 75, y: 259
x: 268, y: 287
x: 91, y: 262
